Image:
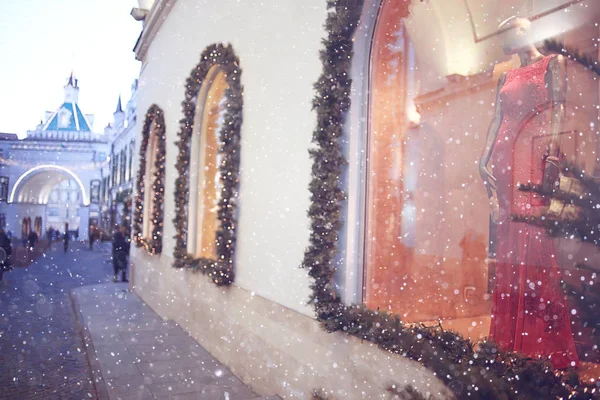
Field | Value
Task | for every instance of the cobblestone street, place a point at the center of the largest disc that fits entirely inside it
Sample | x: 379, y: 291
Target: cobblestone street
x: 41, y: 349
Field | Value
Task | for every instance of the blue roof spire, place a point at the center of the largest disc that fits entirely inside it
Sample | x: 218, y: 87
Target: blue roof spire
x: 119, y: 107
x: 69, y: 116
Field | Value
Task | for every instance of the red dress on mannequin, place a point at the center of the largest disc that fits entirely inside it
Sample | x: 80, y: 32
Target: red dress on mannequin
x: 529, y: 313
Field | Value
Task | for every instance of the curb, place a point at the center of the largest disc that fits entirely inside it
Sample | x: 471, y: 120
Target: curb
x: 90, y: 352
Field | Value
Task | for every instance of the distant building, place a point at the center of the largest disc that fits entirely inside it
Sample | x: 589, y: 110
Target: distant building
x: 57, y: 176
x: 118, y: 176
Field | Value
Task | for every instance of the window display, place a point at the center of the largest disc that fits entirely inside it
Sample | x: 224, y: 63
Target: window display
x: 529, y: 311
x: 463, y: 121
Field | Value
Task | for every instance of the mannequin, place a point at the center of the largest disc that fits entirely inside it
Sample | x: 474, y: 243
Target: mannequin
x: 516, y: 37
x: 529, y: 313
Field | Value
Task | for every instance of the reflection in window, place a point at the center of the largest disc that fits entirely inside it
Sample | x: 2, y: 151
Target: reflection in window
x: 205, y: 182
x: 433, y: 252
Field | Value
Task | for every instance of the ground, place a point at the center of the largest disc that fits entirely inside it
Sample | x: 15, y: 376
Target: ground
x: 68, y: 332
x: 41, y: 350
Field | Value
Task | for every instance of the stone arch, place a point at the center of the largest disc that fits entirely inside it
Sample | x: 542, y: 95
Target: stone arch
x: 30, y: 181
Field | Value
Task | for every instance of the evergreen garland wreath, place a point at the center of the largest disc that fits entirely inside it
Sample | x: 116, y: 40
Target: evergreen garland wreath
x: 154, y: 244
x: 471, y: 371
x: 220, y: 270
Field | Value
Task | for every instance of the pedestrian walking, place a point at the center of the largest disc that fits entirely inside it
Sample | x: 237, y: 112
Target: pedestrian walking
x: 66, y: 241
x: 49, y: 238
x: 33, y: 238
x: 5, y: 253
x: 92, y: 237
x: 120, y: 253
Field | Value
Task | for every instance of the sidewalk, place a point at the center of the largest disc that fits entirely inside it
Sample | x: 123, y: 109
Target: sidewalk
x: 134, y: 354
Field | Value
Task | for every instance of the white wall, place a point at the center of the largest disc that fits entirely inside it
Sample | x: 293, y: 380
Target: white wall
x: 278, y: 44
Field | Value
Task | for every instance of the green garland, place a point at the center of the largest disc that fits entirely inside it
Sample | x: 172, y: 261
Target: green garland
x: 124, y: 198
x: 154, y: 244
x: 484, y: 372
x: 220, y: 270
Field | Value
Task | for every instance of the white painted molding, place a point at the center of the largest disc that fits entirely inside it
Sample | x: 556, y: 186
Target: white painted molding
x: 153, y: 21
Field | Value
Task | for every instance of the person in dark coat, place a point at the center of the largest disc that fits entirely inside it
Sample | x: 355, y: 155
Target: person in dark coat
x: 92, y: 236
x: 120, y: 253
x: 33, y: 238
x: 66, y: 241
x: 5, y: 253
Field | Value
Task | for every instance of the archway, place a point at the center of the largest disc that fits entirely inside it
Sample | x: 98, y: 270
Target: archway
x: 54, y: 196
x: 44, y: 176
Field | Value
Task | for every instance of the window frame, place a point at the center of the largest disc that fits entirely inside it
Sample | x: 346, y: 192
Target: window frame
x: 350, y: 258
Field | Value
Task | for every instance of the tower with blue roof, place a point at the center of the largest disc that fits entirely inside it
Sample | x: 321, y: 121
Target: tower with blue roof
x: 68, y: 122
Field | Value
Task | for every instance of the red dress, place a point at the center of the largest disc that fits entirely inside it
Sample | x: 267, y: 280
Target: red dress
x: 530, y: 313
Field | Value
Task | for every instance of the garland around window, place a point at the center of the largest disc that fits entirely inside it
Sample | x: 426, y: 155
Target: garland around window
x: 471, y: 371
x: 153, y: 244
x: 219, y: 270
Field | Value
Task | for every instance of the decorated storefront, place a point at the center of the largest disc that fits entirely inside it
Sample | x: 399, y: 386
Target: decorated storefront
x: 395, y: 198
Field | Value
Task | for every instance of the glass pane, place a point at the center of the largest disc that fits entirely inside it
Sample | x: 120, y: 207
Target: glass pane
x: 209, y: 187
x: 437, y: 248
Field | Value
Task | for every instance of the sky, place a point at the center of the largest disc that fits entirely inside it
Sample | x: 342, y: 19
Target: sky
x: 42, y: 41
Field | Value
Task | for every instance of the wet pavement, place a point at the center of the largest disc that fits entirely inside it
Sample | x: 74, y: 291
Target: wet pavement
x: 136, y: 355
x: 68, y: 332
x: 41, y: 349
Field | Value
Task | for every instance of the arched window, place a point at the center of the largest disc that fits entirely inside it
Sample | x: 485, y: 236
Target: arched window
x: 149, y: 206
x: 130, y: 160
x: 418, y: 226
x: 149, y: 198
x: 394, y: 155
x: 208, y: 166
x: 436, y: 248
x: 205, y: 180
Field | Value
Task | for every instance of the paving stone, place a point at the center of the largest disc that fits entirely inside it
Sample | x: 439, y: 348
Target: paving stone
x: 42, y: 355
x: 128, y: 387
x: 149, y: 355
x: 140, y: 354
x: 134, y: 354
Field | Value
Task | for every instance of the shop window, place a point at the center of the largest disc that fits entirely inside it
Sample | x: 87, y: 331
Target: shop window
x: 123, y: 165
x: 3, y: 188
x: 94, y: 191
x: 205, y: 182
x: 436, y: 248
x: 130, y: 164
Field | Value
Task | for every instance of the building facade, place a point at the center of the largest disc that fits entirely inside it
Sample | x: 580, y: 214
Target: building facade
x: 313, y: 177
x: 118, y: 178
x: 60, y: 175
